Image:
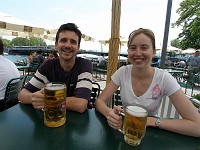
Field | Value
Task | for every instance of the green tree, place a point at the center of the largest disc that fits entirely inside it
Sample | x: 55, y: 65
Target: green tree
x: 6, y: 43
x: 20, y: 41
x: 33, y: 41
x: 37, y: 42
x: 189, y: 20
x: 176, y: 43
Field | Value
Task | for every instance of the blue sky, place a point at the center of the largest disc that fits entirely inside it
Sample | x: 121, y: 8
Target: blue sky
x: 94, y: 16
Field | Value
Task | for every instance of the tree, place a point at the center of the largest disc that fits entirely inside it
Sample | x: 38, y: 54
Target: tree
x: 6, y: 43
x: 37, y: 42
x: 175, y: 43
x: 20, y: 41
x: 33, y: 41
x: 189, y: 20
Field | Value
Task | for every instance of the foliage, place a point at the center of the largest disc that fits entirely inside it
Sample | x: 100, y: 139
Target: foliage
x: 20, y: 41
x: 6, y: 43
x: 189, y: 20
x: 176, y: 43
x: 196, y: 96
x: 33, y: 41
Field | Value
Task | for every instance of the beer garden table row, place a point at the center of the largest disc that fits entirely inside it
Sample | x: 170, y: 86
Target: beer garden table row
x: 22, y: 127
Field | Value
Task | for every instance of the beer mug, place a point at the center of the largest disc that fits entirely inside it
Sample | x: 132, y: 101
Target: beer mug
x: 134, y: 124
x: 54, y: 104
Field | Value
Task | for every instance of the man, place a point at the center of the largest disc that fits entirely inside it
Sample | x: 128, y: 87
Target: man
x: 194, y: 61
x: 75, y: 72
x: 8, y: 70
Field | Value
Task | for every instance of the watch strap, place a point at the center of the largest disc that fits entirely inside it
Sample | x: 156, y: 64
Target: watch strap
x: 157, y: 123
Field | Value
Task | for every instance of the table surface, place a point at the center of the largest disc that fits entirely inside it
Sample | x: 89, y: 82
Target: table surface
x: 22, y: 127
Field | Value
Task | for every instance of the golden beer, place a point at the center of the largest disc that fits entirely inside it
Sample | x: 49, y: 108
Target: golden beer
x: 54, y: 104
x: 134, y: 124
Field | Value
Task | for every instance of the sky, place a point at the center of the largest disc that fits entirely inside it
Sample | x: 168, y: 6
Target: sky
x: 93, y: 17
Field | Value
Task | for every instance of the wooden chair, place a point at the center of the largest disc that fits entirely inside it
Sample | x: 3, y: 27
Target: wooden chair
x: 12, y: 90
x: 94, y: 95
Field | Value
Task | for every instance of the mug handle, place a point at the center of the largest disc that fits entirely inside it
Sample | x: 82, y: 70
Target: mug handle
x: 123, y: 115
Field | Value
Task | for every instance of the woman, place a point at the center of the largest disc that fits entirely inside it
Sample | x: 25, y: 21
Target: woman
x: 143, y: 84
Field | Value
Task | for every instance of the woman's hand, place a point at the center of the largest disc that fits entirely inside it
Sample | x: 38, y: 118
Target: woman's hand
x: 38, y: 99
x: 113, y: 119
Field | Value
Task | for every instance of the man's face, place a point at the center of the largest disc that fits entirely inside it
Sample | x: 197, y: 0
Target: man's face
x: 67, y: 45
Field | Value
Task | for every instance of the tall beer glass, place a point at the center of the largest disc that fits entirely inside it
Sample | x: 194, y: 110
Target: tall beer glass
x: 134, y: 128
x: 54, y: 104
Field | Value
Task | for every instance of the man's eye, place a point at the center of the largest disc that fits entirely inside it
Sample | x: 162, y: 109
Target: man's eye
x: 63, y: 40
x: 73, y: 41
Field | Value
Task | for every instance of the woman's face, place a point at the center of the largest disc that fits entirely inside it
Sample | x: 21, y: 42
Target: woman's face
x: 140, y: 51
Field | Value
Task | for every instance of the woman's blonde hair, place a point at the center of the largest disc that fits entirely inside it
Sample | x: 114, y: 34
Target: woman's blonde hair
x: 147, y: 32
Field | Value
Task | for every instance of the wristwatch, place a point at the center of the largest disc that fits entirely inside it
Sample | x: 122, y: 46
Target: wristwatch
x: 157, y: 123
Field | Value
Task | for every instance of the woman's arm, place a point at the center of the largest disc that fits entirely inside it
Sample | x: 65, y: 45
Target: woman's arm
x: 190, y: 122
x: 105, y: 96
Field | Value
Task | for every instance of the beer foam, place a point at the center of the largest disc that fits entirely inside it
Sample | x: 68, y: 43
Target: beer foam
x: 136, y: 111
x: 55, y: 86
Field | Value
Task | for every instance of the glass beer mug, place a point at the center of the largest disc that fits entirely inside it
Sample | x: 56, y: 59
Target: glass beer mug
x: 134, y: 124
x: 54, y: 104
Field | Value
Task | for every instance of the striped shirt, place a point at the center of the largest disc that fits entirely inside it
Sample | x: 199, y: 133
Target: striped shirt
x: 78, y: 80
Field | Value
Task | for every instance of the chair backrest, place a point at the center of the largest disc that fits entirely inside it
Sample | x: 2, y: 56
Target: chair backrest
x: 33, y: 66
x: 167, y: 109
x: 12, y: 90
x: 116, y: 99
x: 94, y: 95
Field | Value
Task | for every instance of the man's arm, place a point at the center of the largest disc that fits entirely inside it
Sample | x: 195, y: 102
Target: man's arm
x: 76, y: 104
x: 25, y: 96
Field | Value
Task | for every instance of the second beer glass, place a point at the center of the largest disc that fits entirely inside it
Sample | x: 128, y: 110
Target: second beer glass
x: 134, y: 124
x: 54, y: 104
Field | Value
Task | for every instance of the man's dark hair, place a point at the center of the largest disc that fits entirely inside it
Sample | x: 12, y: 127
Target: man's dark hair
x: 1, y: 47
x: 69, y: 27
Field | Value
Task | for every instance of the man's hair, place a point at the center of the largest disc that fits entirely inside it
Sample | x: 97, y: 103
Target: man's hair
x: 1, y: 46
x: 69, y: 27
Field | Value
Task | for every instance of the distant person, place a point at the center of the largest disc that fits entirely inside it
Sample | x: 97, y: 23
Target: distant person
x: 55, y: 54
x: 193, y: 62
x: 52, y: 55
x: 181, y: 64
x: 74, y: 71
x: 8, y: 70
x: 30, y: 57
x: 38, y: 57
x: 142, y: 84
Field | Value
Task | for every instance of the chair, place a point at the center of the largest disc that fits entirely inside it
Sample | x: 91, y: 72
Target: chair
x: 167, y: 109
x: 94, y: 95
x: 13, y: 88
x: 116, y: 99
x: 33, y: 66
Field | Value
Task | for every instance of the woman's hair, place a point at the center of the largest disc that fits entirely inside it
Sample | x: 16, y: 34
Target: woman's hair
x: 147, y: 32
